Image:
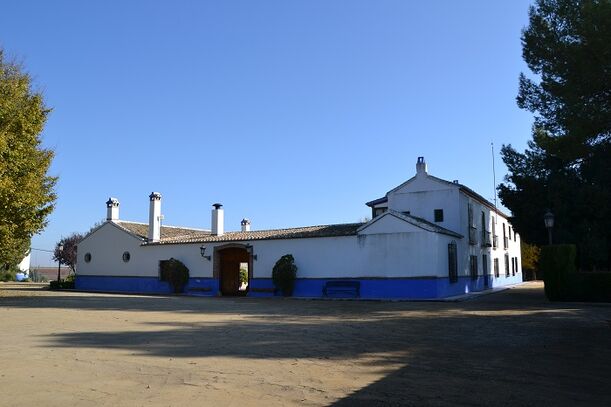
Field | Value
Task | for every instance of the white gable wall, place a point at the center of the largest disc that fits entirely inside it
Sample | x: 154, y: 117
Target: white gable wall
x: 422, y: 195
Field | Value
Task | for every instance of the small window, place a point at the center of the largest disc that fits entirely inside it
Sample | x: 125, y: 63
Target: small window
x: 438, y: 215
x: 126, y: 256
x: 87, y: 257
x: 379, y: 211
x: 496, y: 268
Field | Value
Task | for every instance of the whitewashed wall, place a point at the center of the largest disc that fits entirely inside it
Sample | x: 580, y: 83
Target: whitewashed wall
x: 422, y: 195
x: 401, y: 254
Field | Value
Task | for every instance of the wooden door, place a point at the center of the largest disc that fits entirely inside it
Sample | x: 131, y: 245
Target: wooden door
x: 230, y: 270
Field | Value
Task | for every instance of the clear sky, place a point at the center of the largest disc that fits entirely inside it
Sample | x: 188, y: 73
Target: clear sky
x: 290, y: 113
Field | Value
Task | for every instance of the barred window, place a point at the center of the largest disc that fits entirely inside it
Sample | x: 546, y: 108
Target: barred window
x: 452, y: 263
x: 506, y: 265
x: 473, y: 267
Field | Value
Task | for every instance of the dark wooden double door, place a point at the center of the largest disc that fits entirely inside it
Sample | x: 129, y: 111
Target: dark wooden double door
x: 231, y: 259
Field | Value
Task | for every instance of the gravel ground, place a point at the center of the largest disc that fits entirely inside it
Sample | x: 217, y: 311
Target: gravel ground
x: 511, y: 348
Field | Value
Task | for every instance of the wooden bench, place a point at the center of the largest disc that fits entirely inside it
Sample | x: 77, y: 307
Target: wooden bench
x: 342, y: 289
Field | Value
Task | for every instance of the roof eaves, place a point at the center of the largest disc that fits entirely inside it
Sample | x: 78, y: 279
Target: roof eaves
x: 377, y: 201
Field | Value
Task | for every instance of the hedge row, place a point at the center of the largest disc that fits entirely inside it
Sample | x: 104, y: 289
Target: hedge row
x: 564, y: 283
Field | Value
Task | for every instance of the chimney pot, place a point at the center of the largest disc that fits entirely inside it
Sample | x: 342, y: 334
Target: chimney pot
x: 218, y: 220
x: 245, y: 225
x: 154, y: 232
x: 421, y: 168
x: 112, y: 209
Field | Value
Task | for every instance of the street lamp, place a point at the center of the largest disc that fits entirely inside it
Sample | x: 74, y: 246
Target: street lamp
x: 548, y: 218
x: 60, y: 249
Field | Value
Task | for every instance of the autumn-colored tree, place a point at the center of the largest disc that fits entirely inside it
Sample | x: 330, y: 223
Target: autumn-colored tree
x: 67, y: 255
x: 26, y: 191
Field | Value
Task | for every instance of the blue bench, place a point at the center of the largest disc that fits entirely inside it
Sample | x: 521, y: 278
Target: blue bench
x: 342, y: 289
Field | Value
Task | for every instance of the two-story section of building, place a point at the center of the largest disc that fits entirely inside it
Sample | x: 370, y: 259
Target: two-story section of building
x: 487, y: 256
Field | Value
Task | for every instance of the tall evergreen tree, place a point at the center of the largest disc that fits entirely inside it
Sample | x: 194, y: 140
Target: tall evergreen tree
x: 26, y: 191
x: 567, y: 166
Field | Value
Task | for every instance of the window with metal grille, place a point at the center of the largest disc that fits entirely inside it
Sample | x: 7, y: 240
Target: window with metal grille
x: 484, y: 265
x: 505, y: 240
x: 473, y: 267
x: 496, y: 268
x: 471, y: 226
x: 506, y: 265
x: 452, y: 263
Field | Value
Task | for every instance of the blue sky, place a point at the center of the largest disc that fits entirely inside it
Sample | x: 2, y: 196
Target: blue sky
x: 290, y: 113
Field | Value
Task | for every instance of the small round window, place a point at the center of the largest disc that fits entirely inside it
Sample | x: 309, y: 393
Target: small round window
x: 87, y: 257
x: 126, y: 256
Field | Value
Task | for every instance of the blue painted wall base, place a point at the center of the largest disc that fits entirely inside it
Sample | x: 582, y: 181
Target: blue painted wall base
x: 371, y: 288
x: 144, y: 285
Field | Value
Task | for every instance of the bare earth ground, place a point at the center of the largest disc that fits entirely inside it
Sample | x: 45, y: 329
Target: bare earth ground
x: 512, y: 348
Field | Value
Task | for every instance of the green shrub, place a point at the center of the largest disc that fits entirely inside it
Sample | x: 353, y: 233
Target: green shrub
x: 589, y: 287
x: 243, y: 276
x: 65, y: 284
x: 284, y: 274
x: 175, y: 272
x: 557, y: 262
x: 8, y: 273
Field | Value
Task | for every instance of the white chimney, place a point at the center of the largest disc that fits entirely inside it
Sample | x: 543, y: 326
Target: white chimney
x: 245, y: 225
x: 154, y: 217
x: 421, y: 166
x: 218, y: 220
x: 112, y: 209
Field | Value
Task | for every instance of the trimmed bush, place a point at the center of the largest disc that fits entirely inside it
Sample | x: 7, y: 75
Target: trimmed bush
x: 595, y: 287
x: 284, y: 274
x: 557, y: 262
x: 175, y: 272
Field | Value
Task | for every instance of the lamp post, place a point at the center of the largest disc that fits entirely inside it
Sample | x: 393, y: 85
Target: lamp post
x: 548, y: 218
x: 59, y: 261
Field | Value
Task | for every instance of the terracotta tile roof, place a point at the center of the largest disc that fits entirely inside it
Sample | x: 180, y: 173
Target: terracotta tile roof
x: 346, y: 229
x: 167, y: 232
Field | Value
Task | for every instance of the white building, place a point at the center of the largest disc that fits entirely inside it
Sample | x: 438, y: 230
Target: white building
x: 428, y: 238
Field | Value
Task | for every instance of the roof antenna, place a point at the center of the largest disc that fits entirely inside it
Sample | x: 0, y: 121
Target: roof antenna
x: 494, y: 179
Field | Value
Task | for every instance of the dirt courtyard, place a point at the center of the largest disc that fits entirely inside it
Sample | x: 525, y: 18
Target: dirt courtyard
x: 511, y: 348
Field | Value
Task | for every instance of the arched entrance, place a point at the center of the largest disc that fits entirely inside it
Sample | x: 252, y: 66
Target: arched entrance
x: 231, y: 260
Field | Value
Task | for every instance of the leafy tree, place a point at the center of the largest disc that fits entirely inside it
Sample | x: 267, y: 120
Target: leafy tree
x: 67, y: 255
x: 567, y: 166
x: 530, y: 256
x: 26, y: 191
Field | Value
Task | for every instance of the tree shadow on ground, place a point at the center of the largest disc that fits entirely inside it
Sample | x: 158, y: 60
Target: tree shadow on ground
x: 558, y: 357
x: 504, y: 349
